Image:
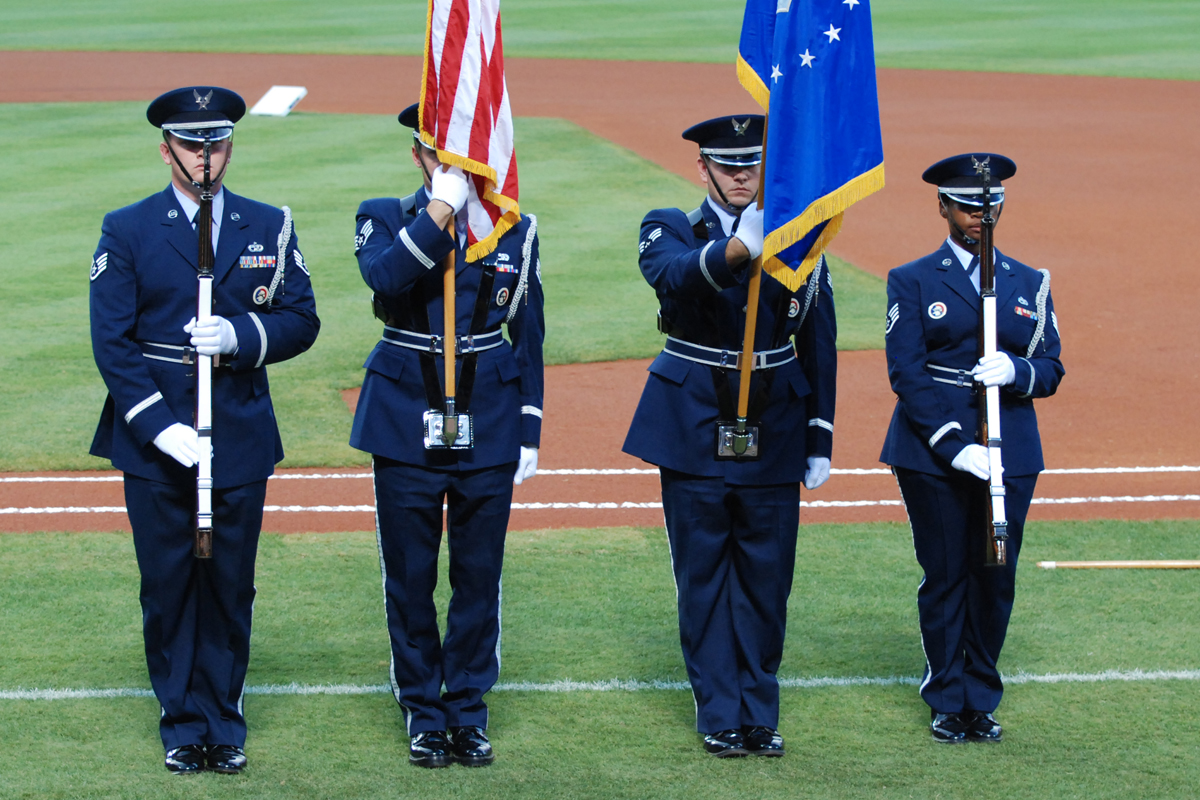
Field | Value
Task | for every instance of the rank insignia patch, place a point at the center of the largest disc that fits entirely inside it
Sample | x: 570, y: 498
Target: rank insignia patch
x: 1025, y: 312
x: 794, y: 308
x: 937, y: 310
x: 256, y: 262
x: 892, y: 315
x: 299, y: 261
x: 260, y: 295
x: 502, y: 298
x: 99, y: 265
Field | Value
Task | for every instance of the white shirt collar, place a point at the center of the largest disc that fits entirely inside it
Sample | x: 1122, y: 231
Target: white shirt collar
x: 726, y: 218
x: 190, y: 206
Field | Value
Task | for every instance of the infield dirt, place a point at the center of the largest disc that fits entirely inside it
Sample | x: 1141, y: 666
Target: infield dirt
x: 1103, y: 198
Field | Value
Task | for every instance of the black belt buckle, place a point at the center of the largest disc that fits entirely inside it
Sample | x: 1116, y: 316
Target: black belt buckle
x: 730, y: 442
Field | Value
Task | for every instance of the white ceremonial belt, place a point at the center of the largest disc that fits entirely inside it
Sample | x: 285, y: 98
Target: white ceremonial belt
x: 961, y: 378
x: 728, y: 359
x: 433, y: 344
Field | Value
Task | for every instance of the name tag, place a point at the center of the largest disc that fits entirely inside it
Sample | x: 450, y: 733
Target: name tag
x: 257, y: 262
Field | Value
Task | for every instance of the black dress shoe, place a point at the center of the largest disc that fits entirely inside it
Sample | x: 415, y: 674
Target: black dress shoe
x: 430, y: 749
x: 948, y: 728
x: 763, y: 741
x: 982, y: 727
x: 185, y: 760
x: 471, y: 747
x: 226, y: 758
x: 725, y: 744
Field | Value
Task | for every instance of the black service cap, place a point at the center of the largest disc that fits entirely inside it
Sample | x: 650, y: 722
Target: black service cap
x: 735, y: 140
x: 197, y: 113
x: 958, y: 178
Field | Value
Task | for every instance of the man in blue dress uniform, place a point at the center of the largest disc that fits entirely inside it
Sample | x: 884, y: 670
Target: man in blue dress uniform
x: 400, y: 245
x: 145, y: 337
x: 932, y: 345
x: 732, y: 522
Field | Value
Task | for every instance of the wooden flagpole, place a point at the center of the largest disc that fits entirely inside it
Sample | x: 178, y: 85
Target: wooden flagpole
x: 741, y: 437
x: 449, y: 339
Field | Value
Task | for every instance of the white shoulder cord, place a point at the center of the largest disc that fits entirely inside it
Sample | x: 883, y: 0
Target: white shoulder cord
x: 1039, y: 333
x: 285, y: 237
x: 523, y: 280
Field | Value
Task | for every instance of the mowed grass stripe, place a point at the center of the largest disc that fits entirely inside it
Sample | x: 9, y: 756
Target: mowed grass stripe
x: 1150, y: 38
x: 599, y: 605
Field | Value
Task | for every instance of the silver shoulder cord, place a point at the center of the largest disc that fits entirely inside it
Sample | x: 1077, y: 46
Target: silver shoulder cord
x: 281, y: 245
x: 814, y: 288
x: 523, y: 280
x: 1039, y: 333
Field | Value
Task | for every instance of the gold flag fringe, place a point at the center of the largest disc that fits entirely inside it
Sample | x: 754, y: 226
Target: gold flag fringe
x: 793, y: 279
x: 752, y: 83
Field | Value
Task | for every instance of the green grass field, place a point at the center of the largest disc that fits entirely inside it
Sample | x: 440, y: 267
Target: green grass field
x: 589, y: 196
x: 1146, y: 38
x: 596, y: 605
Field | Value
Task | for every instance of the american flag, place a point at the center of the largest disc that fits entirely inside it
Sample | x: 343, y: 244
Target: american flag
x: 465, y: 113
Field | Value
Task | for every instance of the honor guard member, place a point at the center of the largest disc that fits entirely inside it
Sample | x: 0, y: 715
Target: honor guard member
x: 732, y: 522
x: 400, y: 245
x: 932, y: 345
x: 145, y: 337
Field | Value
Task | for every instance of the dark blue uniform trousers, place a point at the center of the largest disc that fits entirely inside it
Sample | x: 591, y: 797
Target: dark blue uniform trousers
x: 409, y: 501
x: 196, y: 612
x: 963, y: 604
x: 733, y: 551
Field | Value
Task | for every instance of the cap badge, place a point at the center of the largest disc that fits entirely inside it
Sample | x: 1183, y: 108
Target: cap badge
x: 203, y: 101
x: 255, y: 247
x: 794, y: 308
x: 739, y: 128
x: 172, y: 214
x: 937, y: 310
x: 260, y: 295
x: 946, y: 262
x: 502, y: 298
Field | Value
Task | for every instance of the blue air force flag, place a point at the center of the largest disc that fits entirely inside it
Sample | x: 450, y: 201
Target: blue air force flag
x: 811, y: 65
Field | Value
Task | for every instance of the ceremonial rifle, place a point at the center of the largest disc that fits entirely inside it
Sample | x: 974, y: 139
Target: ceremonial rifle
x: 996, y: 544
x: 202, y: 544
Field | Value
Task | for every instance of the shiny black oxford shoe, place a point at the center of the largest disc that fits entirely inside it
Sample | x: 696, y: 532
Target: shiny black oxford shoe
x: 471, y: 747
x: 430, y: 749
x: 725, y: 744
x: 763, y: 741
x: 226, y: 758
x: 948, y: 728
x: 982, y: 727
x: 185, y: 760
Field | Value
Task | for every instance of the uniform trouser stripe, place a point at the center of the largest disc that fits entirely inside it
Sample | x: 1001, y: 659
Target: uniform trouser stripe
x: 963, y: 605
x: 733, y: 550
x: 409, y: 510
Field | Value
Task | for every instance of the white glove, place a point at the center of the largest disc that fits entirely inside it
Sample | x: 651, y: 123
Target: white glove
x: 750, y: 230
x: 973, y: 459
x: 449, y: 186
x: 213, y: 336
x: 817, y: 472
x: 995, y: 370
x: 527, y: 466
x: 180, y: 443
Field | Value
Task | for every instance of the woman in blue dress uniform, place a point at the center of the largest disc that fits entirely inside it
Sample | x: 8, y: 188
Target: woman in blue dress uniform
x: 732, y: 523
x: 932, y: 346
x: 400, y: 245
x: 196, y: 613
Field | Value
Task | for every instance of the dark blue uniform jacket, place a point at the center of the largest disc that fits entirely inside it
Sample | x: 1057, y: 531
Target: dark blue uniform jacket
x: 143, y: 289
x: 703, y: 302
x: 400, y: 251
x: 933, y: 319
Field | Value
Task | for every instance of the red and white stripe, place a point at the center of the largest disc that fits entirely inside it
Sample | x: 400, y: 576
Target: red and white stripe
x: 465, y: 113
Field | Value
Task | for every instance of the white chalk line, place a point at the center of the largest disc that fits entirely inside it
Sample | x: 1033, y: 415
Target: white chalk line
x: 567, y: 686
x: 608, y: 506
x: 364, y: 475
